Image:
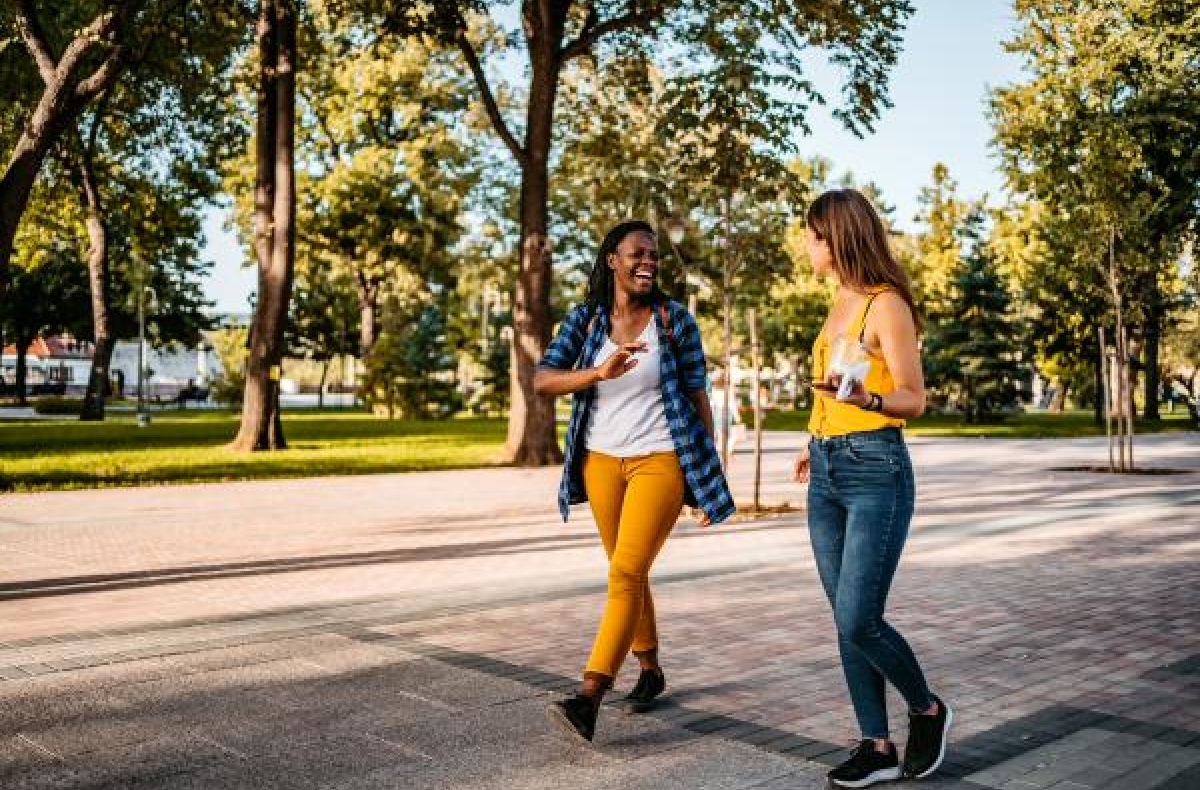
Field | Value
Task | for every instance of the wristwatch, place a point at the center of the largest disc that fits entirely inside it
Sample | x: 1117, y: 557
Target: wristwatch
x: 875, y: 403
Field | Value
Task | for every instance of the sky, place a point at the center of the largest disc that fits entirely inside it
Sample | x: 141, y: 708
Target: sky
x: 952, y: 58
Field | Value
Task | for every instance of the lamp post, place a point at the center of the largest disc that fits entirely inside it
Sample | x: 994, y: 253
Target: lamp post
x: 675, y: 232
x: 488, y: 293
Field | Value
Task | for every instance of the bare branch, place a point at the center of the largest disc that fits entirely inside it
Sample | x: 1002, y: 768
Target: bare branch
x: 489, y: 100
x: 35, y: 40
x: 593, y: 31
x: 87, y: 143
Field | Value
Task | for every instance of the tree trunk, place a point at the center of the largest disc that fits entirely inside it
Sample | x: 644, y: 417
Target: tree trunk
x: 19, y: 178
x: 49, y: 119
x: 368, y: 307
x: 1150, y: 347
x: 796, y: 381
x: 531, y: 426
x: 64, y: 96
x: 1059, y: 402
x: 97, y: 254
x: 1124, y: 393
x: 1098, y: 409
x: 275, y: 208
x: 22, y: 372
x: 321, y: 386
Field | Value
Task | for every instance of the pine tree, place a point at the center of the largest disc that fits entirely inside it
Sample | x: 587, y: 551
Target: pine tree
x: 975, y: 347
x: 410, y: 370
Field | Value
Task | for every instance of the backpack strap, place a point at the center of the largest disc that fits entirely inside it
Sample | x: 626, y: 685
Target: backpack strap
x: 666, y: 322
x: 663, y: 317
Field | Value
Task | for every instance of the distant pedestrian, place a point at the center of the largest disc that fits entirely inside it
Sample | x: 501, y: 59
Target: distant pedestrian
x: 639, y: 445
x: 860, y: 480
x: 728, y: 420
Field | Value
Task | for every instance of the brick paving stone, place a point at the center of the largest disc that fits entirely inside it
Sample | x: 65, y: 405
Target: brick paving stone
x: 1048, y: 608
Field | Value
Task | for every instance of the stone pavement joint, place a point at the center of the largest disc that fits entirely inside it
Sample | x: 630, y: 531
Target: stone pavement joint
x: 393, y: 632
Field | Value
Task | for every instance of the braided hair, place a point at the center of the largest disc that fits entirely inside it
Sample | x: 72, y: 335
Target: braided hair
x: 601, y: 286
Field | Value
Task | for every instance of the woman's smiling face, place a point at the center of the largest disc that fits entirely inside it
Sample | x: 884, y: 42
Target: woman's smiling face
x: 635, y: 263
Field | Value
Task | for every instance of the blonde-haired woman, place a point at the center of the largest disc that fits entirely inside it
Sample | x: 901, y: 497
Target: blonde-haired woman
x: 860, y: 480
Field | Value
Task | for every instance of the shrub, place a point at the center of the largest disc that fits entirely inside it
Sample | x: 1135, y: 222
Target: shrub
x: 56, y: 405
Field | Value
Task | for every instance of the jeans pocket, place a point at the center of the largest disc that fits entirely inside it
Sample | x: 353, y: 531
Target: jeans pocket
x: 881, y: 454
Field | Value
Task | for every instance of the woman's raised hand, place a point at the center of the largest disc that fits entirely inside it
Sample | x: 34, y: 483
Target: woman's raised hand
x: 620, y: 362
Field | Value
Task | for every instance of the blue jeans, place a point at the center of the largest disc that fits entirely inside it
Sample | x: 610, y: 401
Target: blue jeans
x: 860, y: 503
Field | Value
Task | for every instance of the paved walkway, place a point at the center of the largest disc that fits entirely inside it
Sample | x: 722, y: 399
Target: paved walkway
x: 406, y: 631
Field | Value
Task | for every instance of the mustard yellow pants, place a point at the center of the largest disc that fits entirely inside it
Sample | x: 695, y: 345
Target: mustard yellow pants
x: 636, y: 502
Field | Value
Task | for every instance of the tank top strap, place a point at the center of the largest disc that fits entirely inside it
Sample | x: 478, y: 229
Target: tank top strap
x: 859, y: 326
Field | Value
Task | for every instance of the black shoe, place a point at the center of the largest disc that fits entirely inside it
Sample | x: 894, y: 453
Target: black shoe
x: 650, y: 684
x: 576, y: 715
x: 866, y: 767
x: 926, y: 746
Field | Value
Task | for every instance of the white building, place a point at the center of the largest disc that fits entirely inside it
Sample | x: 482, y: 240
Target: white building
x: 59, y: 362
x: 168, y: 369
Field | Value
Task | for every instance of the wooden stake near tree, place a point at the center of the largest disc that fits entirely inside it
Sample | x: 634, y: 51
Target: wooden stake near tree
x: 1106, y: 399
x: 1115, y: 374
x: 274, y: 225
x: 756, y: 363
x: 725, y: 430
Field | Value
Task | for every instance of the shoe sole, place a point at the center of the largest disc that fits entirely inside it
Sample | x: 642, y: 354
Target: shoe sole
x: 885, y: 775
x: 554, y: 714
x: 945, y: 740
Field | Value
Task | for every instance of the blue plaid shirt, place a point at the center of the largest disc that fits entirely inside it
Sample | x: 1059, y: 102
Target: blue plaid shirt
x: 682, y: 371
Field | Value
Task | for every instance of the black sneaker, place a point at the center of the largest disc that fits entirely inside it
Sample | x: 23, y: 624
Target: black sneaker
x: 866, y: 767
x: 649, y: 685
x: 575, y: 715
x: 926, y: 746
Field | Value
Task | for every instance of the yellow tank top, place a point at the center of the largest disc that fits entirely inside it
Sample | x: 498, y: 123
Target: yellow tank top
x: 834, y: 418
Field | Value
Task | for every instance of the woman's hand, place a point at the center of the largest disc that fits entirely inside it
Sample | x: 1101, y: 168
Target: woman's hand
x: 858, y: 395
x: 701, y: 517
x: 620, y: 362
x: 801, y: 467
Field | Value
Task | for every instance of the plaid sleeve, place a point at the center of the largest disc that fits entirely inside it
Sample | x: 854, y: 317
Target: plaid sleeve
x: 565, y: 348
x: 692, y: 370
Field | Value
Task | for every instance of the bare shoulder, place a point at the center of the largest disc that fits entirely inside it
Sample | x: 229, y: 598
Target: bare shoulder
x: 891, y: 310
x: 890, y: 317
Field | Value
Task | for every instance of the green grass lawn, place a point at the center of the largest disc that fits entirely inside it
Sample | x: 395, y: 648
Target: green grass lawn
x: 181, y: 447
x: 1037, y: 425
x: 189, y: 446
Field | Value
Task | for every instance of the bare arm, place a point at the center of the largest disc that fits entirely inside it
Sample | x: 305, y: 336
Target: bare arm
x: 550, y: 381
x: 898, y: 339
x: 891, y: 324
x: 897, y: 333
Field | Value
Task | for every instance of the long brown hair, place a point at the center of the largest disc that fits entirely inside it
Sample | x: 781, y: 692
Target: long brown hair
x: 858, y: 243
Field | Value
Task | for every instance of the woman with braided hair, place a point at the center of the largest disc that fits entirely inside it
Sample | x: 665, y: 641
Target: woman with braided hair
x: 638, y: 447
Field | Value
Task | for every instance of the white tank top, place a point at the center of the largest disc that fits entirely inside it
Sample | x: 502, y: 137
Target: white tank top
x: 627, y: 418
